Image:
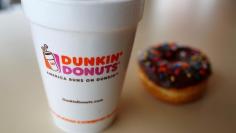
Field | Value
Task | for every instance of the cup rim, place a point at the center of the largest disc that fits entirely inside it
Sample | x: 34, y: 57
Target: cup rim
x: 88, y: 2
x: 84, y: 15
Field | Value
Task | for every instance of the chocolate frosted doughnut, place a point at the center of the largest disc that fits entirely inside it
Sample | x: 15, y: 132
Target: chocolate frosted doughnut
x: 173, y: 73
x: 172, y: 66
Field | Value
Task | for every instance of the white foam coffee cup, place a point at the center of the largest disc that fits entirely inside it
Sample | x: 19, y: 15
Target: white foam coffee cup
x: 83, y: 48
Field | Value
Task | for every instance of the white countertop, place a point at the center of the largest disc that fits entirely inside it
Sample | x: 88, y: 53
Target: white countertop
x: 206, y: 24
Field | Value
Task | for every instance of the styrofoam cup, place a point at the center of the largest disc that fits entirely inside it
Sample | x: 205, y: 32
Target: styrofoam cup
x: 83, y: 48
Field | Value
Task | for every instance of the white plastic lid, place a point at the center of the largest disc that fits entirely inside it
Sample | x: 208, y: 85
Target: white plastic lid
x: 84, y: 15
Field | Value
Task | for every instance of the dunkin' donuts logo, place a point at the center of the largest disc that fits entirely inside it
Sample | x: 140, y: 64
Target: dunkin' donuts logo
x: 50, y: 59
x: 81, y: 66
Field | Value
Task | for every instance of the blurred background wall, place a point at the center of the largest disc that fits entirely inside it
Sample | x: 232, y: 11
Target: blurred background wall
x: 5, y: 4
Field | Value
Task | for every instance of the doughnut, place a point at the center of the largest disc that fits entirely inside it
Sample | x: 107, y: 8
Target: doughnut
x: 174, y: 73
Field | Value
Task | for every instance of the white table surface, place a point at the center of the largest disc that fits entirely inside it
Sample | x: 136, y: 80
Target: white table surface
x: 206, y: 24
